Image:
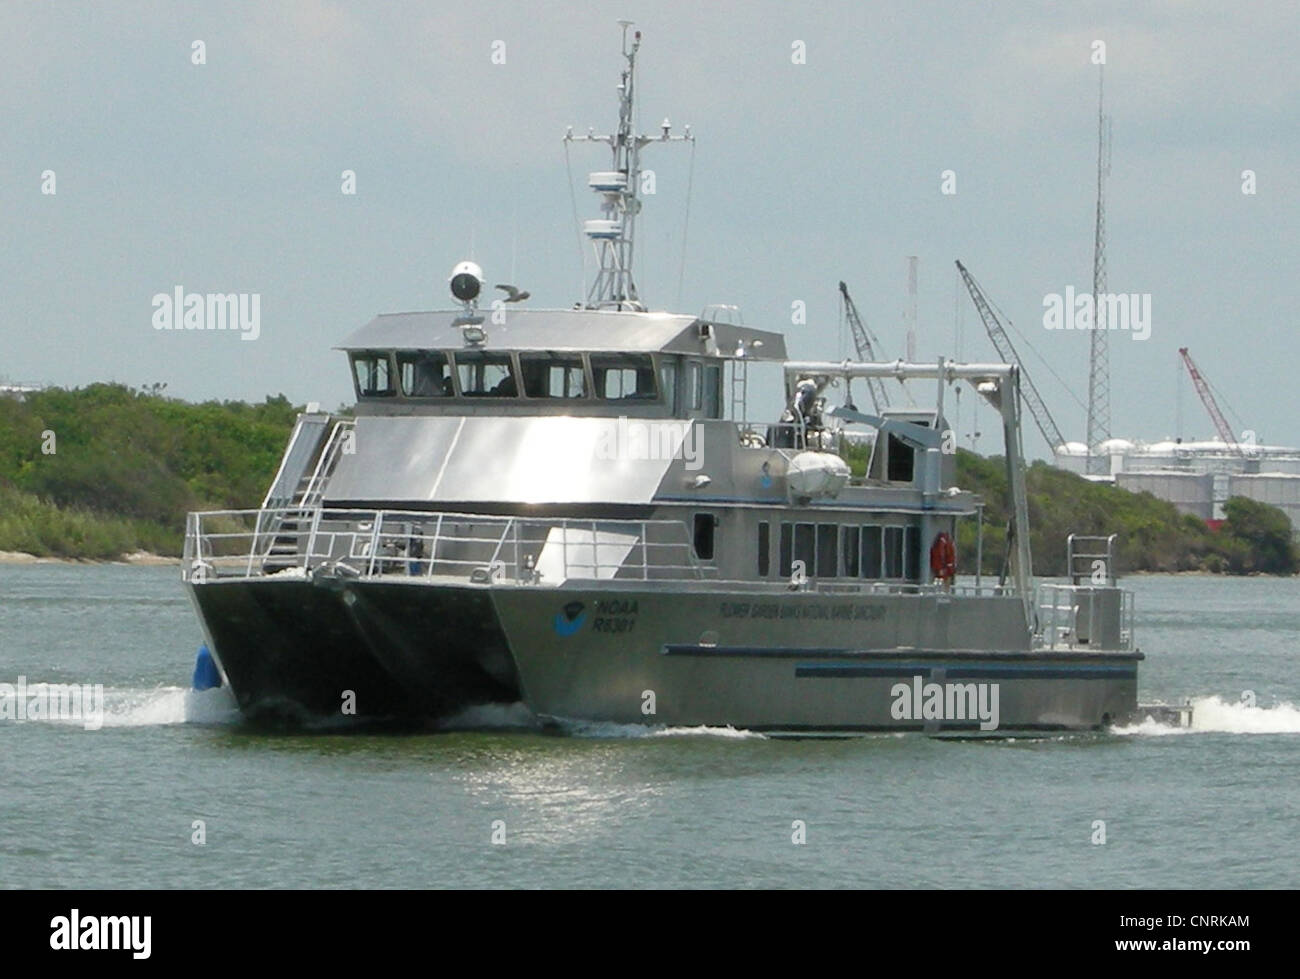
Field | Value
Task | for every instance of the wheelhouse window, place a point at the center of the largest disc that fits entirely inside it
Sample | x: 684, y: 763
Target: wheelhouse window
x: 373, y: 374
x: 485, y: 375
x: 668, y: 370
x: 624, y: 377
x: 553, y: 375
x: 712, y: 391
x: 424, y: 374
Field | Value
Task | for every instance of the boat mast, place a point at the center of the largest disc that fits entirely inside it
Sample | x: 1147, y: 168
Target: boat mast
x: 613, y: 235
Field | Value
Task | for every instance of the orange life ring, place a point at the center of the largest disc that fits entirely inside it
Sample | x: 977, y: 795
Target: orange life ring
x: 943, y: 557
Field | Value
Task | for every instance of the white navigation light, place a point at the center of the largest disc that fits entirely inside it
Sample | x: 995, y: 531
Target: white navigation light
x: 466, y: 281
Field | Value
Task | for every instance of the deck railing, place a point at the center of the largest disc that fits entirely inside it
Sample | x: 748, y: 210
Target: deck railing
x: 375, y: 543
x: 849, y: 586
x: 1081, y: 617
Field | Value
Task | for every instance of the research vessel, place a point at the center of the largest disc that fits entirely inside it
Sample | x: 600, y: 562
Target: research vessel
x: 573, y: 509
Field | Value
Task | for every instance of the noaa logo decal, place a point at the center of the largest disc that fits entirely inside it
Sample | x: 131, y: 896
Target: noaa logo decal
x: 569, y: 619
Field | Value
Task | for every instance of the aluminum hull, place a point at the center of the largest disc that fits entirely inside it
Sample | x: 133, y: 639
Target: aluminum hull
x: 797, y: 662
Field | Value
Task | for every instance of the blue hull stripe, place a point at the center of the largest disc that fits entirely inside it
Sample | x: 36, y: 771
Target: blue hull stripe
x: 843, y: 662
x: 1028, y: 671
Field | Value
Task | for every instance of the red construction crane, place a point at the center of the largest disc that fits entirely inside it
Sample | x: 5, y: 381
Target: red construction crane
x: 1212, y: 406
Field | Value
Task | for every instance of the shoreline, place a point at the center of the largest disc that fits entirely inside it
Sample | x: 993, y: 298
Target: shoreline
x: 141, y: 558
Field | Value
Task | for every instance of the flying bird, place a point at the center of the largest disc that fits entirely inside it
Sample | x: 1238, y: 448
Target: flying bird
x: 514, y: 295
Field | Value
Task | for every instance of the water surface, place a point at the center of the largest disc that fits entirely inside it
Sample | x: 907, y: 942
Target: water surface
x: 608, y: 806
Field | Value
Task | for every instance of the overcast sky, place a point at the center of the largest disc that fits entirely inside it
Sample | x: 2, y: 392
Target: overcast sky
x: 226, y: 177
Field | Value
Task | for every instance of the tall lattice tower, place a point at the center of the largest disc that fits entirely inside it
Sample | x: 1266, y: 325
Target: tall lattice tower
x: 1099, y: 359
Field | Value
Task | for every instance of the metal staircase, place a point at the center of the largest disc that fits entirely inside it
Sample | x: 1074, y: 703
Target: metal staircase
x: 290, y: 513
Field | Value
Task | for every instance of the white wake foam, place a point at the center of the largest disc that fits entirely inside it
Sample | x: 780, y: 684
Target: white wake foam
x: 168, y: 705
x: 517, y: 716
x: 1214, y: 715
x: 609, y: 729
x: 492, y: 717
x: 134, y: 707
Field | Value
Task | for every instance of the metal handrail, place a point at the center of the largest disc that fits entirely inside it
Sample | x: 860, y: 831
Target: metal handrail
x: 271, y: 518
x: 1060, y: 605
x: 1107, y: 555
x: 429, y: 543
x: 849, y: 586
x: 328, y: 459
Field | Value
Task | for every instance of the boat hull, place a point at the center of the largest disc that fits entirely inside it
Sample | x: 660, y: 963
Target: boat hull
x: 805, y: 662
x: 300, y: 650
x: 796, y: 662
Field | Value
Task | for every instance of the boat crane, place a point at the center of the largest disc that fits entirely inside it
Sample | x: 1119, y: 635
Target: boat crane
x: 866, y: 353
x: 1037, y: 406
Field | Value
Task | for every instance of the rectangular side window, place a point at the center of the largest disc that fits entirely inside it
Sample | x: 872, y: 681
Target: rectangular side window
x: 828, y: 559
x: 713, y: 391
x: 912, y: 553
x: 787, y: 549
x: 668, y: 382
x: 764, y: 550
x: 893, y: 552
x: 871, y: 552
x: 805, y: 546
x: 704, y: 523
x: 850, y: 548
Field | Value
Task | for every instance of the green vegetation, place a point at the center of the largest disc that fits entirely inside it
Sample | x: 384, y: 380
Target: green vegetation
x: 28, y: 523
x: 1153, y: 535
x: 127, y: 466
x: 1260, y: 539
